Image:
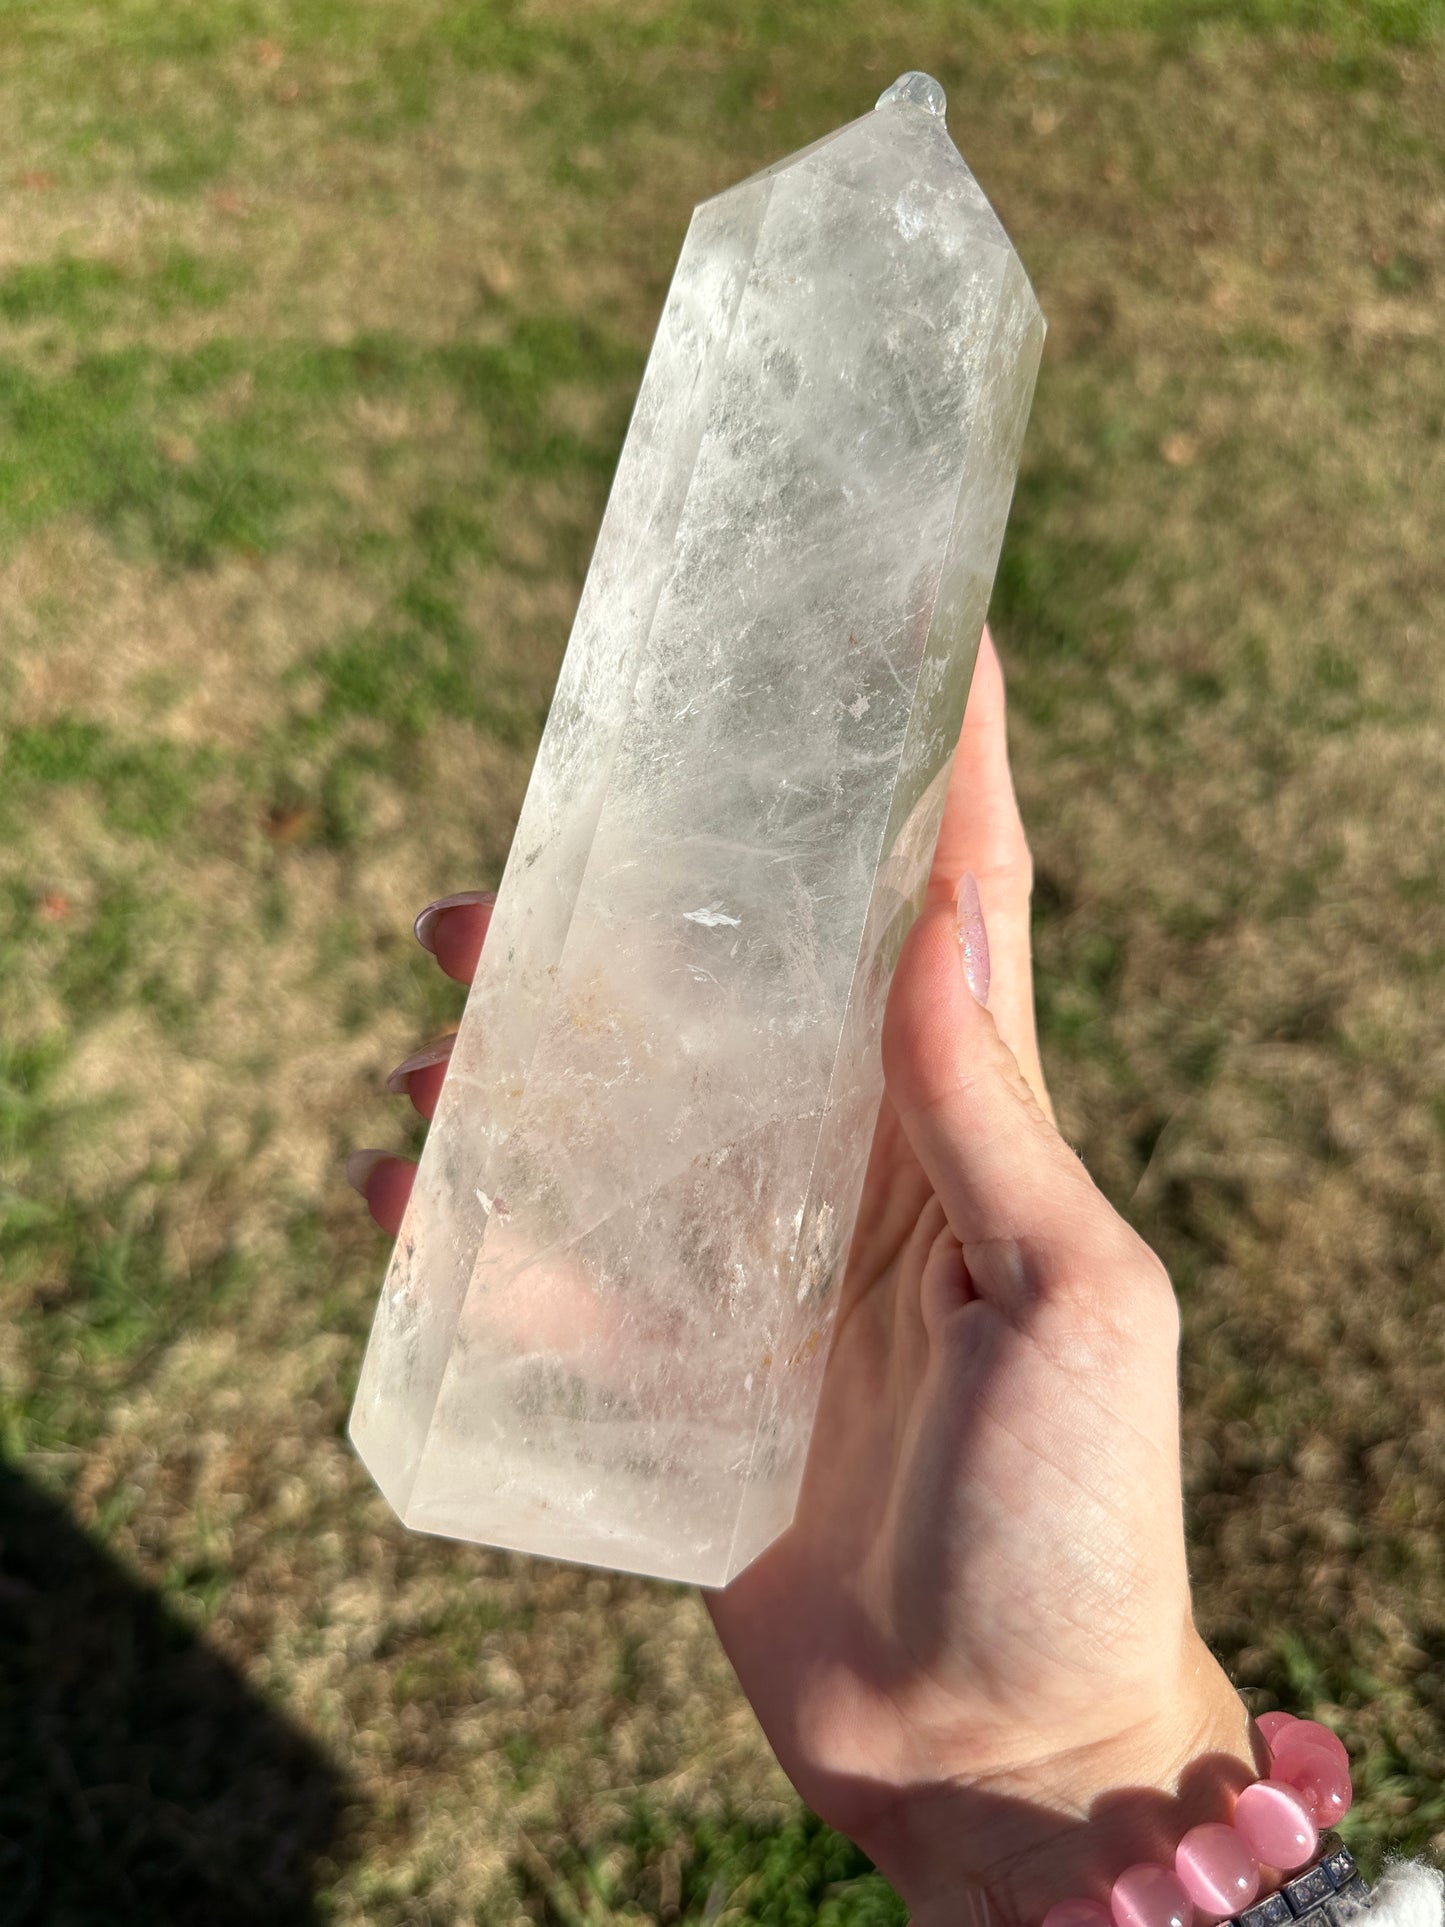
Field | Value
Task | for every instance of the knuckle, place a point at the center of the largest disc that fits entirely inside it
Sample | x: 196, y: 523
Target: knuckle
x: 1118, y: 1298
x: 1151, y: 1290
x: 1012, y: 868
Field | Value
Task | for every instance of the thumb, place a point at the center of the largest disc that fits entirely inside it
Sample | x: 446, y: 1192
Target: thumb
x: 1030, y: 1221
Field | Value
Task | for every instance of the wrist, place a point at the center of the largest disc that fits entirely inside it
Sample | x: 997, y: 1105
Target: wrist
x: 1024, y: 1839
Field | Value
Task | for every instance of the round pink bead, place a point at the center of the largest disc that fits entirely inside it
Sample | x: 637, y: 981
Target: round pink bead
x: 1078, y: 1913
x: 1275, y: 1824
x: 1318, y: 1776
x: 1219, y: 1872
x: 1272, y: 1725
x: 1149, y: 1896
x: 1318, y: 1735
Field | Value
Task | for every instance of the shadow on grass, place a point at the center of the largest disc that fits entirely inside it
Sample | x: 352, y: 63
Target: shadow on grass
x: 141, y: 1779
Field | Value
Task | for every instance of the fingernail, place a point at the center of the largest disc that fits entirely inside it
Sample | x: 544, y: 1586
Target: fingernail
x: 973, y: 936
x: 426, y: 921
x: 420, y: 1060
x: 361, y: 1164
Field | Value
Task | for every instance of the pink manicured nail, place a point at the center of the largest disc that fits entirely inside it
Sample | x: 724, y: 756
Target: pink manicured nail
x: 973, y: 936
x: 361, y: 1164
x: 426, y: 920
x: 420, y: 1060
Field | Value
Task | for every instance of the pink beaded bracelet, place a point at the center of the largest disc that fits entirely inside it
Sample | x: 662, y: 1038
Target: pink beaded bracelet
x: 1217, y: 1868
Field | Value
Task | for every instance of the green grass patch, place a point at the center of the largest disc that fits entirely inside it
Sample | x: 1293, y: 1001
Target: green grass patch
x: 98, y: 1294
x: 80, y: 292
x: 229, y: 446
x: 127, y: 440
x: 687, y: 1866
x: 146, y: 790
x: 505, y: 34
x: 382, y: 70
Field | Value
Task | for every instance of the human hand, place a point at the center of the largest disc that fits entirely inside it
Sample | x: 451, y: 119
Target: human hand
x: 973, y: 1651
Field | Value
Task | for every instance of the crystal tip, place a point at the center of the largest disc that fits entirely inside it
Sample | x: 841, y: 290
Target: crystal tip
x: 915, y: 90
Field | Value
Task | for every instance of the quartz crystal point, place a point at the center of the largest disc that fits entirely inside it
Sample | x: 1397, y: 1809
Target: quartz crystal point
x: 603, y: 1331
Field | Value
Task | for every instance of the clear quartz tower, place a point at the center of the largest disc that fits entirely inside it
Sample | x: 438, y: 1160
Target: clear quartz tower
x: 604, y: 1326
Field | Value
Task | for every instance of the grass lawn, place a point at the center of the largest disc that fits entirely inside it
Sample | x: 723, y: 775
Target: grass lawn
x: 319, y: 331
